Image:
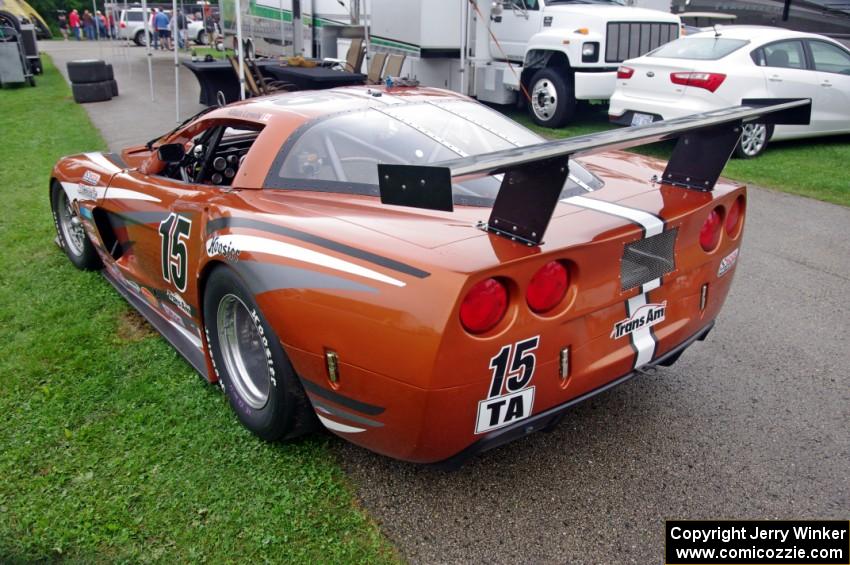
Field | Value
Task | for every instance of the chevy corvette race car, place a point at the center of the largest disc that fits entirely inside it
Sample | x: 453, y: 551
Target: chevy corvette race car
x: 408, y: 268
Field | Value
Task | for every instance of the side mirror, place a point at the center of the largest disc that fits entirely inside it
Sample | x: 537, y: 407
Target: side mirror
x: 496, y: 11
x: 171, y: 153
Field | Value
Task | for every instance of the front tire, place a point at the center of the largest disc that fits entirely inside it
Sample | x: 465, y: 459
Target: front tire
x: 753, y: 142
x: 252, y: 367
x: 72, y: 236
x: 202, y: 38
x: 552, y: 101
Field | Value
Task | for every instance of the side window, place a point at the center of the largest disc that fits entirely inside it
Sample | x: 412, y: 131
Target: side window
x: 134, y: 16
x: 830, y: 58
x: 785, y: 54
x: 758, y: 57
x: 525, y: 4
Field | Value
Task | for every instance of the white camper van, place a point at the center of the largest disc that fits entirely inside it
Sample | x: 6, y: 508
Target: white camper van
x: 546, y: 53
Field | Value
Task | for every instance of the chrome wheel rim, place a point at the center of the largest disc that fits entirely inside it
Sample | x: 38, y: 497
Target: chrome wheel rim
x: 244, y: 351
x: 70, y: 224
x: 753, y: 138
x: 544, y: 99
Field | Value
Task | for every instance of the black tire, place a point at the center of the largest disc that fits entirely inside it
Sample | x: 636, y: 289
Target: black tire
x: 553, y: 101
x: 113, y: 84
x: 110, y: 73
x: 754, y: 140
x: 8, y: 18
x: 82, y: 254
x: 87, y: 71
x: 92, y: 92
x: 31, y: 80
x: 139, y: 38
x: 286, y: 412
x: 201, y: 39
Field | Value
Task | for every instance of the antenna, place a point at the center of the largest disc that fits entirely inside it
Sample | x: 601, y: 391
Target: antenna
x: 717, y: 28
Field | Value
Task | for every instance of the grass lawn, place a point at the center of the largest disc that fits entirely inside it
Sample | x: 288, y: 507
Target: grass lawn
x: 112, y: 448
x: 810, y: 167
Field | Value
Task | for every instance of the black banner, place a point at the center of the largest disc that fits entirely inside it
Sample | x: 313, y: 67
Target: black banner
x: 757, y: 542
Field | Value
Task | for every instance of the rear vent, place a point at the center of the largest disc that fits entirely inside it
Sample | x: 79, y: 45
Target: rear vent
x: 647, y: 259
x: 629, y: 40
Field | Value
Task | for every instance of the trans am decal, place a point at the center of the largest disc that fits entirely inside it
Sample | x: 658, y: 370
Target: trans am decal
x: 644, y: 317
x: 510, y: 398
x: 727, y: 263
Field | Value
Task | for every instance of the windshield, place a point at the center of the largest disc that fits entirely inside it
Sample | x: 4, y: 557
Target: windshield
x: 700, y: 48
x: 341, y: 153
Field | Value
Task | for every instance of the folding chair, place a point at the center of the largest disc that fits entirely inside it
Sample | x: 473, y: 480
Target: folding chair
x: 376, y: 65
x: 250, y: 84
x: 394, y: 64
x: 265, y: 84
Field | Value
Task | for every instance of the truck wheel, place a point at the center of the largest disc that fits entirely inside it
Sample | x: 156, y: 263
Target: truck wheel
x: 72, y: 235
x: 250, y: 363
x: 753, y: 140
x: 552, y: 101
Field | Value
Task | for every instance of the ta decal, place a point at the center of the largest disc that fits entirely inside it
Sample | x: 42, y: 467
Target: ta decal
x: 727, y: 263
x: 644, y: 317
x: 91, y: 177
x: 510, y: 398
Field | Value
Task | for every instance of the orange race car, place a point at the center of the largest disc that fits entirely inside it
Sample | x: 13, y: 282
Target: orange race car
x: 411, y: 269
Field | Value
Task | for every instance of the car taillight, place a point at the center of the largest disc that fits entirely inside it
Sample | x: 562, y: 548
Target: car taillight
x: 484, y: 306
x: 709, y: 235
x: 733, y: 217
x: 708, y: 81
x: 625, y: 72
x: 122, y: 24
x: 548, y: 287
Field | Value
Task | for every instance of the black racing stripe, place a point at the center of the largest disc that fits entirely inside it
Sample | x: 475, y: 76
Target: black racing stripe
x: 116, y: 158
x: 333, y: 396
x: 231, y: 222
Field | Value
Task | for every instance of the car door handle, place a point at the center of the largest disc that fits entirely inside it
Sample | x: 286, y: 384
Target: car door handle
x: 826, y: 84
x: 775, y: 78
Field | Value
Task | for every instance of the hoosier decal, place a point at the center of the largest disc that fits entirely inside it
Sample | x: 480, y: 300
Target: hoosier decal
x: 644, y: 317
x: 510, y: 398
x: 216, y: 246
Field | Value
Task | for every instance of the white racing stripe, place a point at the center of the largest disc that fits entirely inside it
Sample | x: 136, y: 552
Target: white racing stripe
x: 642, y: 338
x: 337, y: 427
x: 126, y: 194
x: 274, y: 247
x: 102, y: 161
x: 652, y: 224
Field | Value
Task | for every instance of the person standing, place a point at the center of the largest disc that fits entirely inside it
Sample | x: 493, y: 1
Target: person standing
x: 74, y: 22
x: 63, y: 24
x: 152, y: 27
x: 163, y: 22
x: 181, y: 29
x: 88, y: 25
x: 100, y: 21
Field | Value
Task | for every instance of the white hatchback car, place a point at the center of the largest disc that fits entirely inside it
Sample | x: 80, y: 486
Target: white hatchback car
x: 719, y: 68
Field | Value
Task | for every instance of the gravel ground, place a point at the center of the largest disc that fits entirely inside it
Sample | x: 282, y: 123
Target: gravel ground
x: 752, y: 423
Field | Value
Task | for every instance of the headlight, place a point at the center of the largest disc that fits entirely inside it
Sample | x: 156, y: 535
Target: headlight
x: 590, y: 52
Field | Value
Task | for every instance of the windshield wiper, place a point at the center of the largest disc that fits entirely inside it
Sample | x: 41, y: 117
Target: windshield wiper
x: 150, y: 143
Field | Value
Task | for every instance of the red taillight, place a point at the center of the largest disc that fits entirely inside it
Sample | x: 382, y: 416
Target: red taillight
x: 709, y: 235
x: 708, y: 81
x: 548, y: 287
x: 733, y: 217
x: 625, y: 72
x: 122, y: 25
x: 484, y: 306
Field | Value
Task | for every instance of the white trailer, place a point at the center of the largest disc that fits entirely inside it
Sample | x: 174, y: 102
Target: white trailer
x: 544, y: 53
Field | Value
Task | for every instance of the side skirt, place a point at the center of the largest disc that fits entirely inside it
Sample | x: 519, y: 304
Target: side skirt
x: 181, y: 343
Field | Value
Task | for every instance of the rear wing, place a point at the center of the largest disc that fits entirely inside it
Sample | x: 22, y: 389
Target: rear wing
x: 534, y: 175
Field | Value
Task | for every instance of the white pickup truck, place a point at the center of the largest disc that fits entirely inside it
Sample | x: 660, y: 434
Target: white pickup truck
x: 547, y: 53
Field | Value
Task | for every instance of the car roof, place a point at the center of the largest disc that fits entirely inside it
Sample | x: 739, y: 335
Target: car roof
x: 757, y: 34
x: 308, y: 105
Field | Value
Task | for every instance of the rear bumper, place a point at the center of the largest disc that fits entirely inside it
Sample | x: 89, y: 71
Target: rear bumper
x: 622, y: 107
x: 551, y: 417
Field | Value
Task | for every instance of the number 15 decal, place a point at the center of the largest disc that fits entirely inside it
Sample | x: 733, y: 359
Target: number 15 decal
x: 174, y: 232
x: 509, y: 399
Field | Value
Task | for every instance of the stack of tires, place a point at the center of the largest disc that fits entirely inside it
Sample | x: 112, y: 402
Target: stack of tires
x: 92, y: 80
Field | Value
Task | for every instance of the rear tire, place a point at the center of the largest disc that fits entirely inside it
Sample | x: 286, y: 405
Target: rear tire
x: 252, y: 367
x: 139, y: 38
x: 553, y: 100
x: 753, y: 140
x: 202, y: 38
x: 72, y: 236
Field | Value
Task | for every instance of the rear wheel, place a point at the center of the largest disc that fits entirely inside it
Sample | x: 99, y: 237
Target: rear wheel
x: 72, y: 235
x: 202, y: 38
x: 250, y: 363
x: 552, y: 101
x: 753, y: 142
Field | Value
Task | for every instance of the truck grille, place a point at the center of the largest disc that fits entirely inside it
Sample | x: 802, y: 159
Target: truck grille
x: 627, y: 40
x: 647, y: 259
